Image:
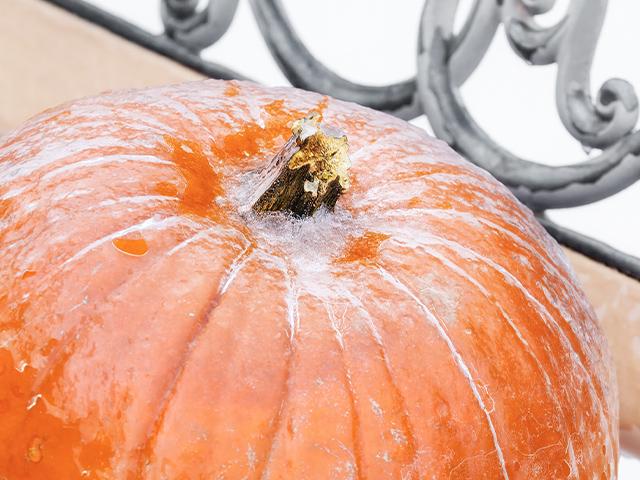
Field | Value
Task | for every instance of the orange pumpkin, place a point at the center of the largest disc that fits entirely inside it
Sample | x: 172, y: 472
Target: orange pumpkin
x: 427, y: 327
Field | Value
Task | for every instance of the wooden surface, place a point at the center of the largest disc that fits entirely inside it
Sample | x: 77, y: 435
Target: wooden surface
x: 49, y: 56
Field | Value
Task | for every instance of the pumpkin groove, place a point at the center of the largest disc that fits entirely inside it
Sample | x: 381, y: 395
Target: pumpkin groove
x: 228, y: 340
x: 201, y: 323
x: 276, y: 422
x: 426, y: 327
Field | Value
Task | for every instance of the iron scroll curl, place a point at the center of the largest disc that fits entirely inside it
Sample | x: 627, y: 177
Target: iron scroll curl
x: 608, y: 123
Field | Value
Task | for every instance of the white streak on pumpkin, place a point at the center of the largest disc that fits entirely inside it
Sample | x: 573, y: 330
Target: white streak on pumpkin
x: 291, y: 297
x: 553, y: 395
x: 549, y: 319
x: 33, y: 401
x: 238, y: 263
x: 153, y: 223
x: 202, y: 234
x: 293, y: 315
x: 136, y: 200
x: 104, y: 160
x: 52, y: 154
x: 460, y: 363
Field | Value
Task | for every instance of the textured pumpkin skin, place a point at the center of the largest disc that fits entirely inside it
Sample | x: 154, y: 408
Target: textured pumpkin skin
x: 429, y: 328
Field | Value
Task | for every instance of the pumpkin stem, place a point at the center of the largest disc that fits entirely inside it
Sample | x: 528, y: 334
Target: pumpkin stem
x: 310, y: 171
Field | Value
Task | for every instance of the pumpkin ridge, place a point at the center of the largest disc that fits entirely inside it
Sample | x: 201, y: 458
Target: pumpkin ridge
x: 276, y: 423
x: 397, y: 393
x: 453, y: 246
x: 458, y: 360
x: 146, y: 449
x: 596, y: 389
x: 550, y: 320
x: 59, y: 270
x: 81, y: 326
x: 538, y: 256
x: 506, y: 317
x: 355, y: 419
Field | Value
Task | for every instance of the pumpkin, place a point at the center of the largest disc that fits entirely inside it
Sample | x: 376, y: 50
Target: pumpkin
x: 415, y: 323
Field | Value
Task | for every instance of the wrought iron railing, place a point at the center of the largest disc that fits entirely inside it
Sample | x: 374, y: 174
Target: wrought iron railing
x: 445, y: 61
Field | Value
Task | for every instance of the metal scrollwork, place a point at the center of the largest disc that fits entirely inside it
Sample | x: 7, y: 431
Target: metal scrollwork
x: 535, y: 44
x: 607, y: 124
x: 571, y: 44
x: 197, y: 29
x: 615, y: 112
x: 303, y: 70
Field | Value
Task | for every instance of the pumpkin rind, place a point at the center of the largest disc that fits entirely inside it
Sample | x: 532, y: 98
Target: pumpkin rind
x: 428, y: 328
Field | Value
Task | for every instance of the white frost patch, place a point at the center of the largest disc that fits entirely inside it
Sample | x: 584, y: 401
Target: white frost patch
x: 375, y: 406
x: 198, y: 236
x: 74, y: 193
x: 34, y: 400
x: 252, y: 459
x: 398, y: 436
x: 311, y: 244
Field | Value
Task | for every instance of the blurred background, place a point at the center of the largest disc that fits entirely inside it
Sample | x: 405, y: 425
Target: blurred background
x: 375, y: 42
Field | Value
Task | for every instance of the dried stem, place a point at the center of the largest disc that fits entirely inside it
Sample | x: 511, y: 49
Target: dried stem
x: 310, y: 171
